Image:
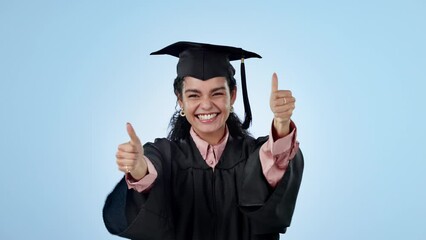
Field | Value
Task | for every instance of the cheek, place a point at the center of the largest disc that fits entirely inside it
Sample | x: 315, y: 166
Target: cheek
x: 188, y: 106
x: 226, y: 102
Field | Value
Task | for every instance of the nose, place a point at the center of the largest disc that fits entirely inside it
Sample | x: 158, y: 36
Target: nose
x: 206, y: 103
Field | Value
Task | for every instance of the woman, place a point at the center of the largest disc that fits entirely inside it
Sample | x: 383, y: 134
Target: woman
x: 209, y: 179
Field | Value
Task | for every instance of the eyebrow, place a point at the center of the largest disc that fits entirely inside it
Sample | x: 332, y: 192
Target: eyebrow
x: 192, y: 90
x: 218, y: 89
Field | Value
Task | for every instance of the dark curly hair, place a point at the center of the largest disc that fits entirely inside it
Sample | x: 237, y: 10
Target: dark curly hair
x: 179, y: 126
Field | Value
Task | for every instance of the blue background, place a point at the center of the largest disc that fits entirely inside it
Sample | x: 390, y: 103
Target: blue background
x: 74, y: 72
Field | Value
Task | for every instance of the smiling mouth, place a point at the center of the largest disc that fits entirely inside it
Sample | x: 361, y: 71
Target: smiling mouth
x: 206, y: 116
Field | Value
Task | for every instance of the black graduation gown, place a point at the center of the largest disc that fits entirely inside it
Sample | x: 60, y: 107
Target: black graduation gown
x: 189, y: 200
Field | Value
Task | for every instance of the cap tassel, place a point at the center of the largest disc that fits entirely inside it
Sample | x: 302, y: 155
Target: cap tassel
x: 248, y: 117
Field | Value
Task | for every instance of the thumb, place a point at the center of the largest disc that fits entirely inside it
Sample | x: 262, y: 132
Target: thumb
x: 274, y: 86
x: 132, y: 134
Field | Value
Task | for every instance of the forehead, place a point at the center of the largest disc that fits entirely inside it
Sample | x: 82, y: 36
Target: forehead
x: 195, y: 83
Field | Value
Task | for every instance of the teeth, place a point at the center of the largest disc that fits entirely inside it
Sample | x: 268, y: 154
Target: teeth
x: 207, y: 116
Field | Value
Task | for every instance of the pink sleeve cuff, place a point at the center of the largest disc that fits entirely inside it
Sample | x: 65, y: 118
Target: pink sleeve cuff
x: 146, y: 182
x: 275, y: 156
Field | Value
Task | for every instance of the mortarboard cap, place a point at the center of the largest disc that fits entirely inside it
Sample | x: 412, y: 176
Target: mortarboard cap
x: 205, y: 61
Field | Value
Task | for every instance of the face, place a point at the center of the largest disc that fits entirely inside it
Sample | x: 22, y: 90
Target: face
x: 207, y: 106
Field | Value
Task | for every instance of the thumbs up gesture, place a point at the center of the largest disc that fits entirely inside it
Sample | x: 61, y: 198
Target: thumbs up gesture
x: 130, y: 156
x: 282, y: 104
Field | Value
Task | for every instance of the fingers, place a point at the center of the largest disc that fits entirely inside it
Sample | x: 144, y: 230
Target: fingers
x: 129, y: 156
x: 275, y: 93
x: 285, y: 101
x: 284, y: 108
x: 125, y: 166
x: 132, y: 134
x: 274, y: 86
x: 126, y: 161
x: 125, y: 155
x: 281, y: 94
x: 283, y: 116
x: 128, y: 147
x: 282, y: 102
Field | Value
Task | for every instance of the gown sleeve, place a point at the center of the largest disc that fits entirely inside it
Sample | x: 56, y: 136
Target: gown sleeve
x: 270, y: 209
x: 275, y: 155
x: 146, y: 182
x: 146, y: 215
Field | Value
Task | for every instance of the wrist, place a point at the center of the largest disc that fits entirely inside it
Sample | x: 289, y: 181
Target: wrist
x: 140, y: 171
x: 281, y: 128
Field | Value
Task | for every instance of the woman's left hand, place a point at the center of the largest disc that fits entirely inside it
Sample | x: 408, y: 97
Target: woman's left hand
x: 282, y: 104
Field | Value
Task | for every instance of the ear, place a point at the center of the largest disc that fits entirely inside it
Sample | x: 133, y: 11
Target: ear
x: 233, y: 95
x: 179, y: 95
x: 179, y: 100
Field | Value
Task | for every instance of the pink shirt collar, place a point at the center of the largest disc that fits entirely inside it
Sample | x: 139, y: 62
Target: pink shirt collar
x: 205, y: 148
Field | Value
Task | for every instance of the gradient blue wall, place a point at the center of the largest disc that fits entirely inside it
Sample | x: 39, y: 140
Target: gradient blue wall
x: 72, y: 73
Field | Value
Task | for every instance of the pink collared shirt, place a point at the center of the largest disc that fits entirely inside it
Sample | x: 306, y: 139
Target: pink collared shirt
x: 210, y: 153
x: 274, y: 157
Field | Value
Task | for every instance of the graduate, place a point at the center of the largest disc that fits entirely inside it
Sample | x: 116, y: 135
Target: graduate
x: 209, y: 179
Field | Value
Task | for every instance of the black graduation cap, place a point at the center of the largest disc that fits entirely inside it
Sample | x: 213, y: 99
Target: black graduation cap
x: 205, y: 61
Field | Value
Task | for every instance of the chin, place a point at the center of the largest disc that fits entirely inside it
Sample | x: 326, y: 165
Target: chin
x: 209, y: 129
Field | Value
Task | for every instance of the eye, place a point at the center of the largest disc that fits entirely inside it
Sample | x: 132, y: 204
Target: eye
x: 218, y: 94
x: 192, y: 96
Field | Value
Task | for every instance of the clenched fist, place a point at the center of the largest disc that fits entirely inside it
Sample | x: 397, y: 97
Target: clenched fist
x: 130, y: 156
x: 282, y: 104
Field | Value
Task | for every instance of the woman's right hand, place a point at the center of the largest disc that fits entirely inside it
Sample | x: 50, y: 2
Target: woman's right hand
x: 130, y: 156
